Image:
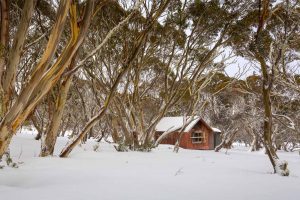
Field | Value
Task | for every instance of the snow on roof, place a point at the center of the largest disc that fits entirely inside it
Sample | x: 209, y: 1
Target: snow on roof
x: 175, y: 123
x: 216, y: 130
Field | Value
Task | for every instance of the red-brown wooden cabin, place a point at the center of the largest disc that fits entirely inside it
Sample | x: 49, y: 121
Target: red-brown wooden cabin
x: 197, y: 134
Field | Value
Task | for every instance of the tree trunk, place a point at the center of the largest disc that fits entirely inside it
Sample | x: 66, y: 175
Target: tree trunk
x: 227, y: 141
x: 53, y: 129
x: 4, y: 142
x: 254, y: 146
x: 86, y: 117
x: 4, y: 31
x: 114, y: 131
x: 65, y: 126
x: 267, y: 83
x: 15, y: 55
x: 267, y: 137
x: 37, y: 126
x: 44, y: 78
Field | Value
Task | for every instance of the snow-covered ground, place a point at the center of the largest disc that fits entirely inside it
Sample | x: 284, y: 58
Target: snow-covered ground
x: 160, y: 174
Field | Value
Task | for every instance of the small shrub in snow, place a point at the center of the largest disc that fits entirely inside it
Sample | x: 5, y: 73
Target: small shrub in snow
x: 281, y: 168
x: 8, y: 160
x: 121, y: 147
x: 96, y: 147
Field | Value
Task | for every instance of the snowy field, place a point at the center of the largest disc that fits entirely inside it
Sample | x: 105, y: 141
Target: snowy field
x: 160, y: 174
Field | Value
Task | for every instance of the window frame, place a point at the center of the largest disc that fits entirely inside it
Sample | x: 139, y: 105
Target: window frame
x: 199, y: 139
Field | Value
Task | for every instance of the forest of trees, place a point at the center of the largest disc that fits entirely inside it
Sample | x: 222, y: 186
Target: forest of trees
x: 101, y: 68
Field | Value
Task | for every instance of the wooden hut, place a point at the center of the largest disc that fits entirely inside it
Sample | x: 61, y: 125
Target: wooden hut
x: 197, y: 134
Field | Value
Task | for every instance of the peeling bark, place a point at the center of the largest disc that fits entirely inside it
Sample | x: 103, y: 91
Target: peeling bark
x: 53, y: 129
x: 3, y: 44
x: 15, y: 55
x: 15, y: 116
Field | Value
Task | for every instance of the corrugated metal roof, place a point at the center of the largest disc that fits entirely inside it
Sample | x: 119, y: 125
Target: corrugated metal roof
x: 176, y: 123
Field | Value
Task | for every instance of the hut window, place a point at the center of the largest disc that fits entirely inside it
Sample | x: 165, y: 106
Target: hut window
x: 197, y: 137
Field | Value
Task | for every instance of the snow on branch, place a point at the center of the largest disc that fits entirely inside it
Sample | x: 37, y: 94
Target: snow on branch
x: 291, y: 124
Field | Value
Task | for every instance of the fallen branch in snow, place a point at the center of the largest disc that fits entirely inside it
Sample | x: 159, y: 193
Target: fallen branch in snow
x: 21, y: 152
x: 179, y: 171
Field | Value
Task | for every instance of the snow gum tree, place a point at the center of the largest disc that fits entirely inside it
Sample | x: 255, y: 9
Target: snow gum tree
x: 63, y: 88
x: 153, y: 15
x: 269, y: 30
x: 46, y: 73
